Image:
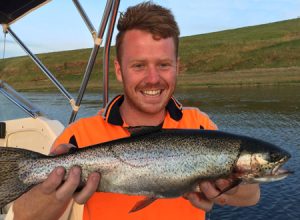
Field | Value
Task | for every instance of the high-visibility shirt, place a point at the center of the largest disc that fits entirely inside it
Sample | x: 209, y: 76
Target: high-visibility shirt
x: 108, y: 125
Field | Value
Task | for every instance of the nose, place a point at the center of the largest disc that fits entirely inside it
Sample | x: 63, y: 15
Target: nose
x: 152, y: 75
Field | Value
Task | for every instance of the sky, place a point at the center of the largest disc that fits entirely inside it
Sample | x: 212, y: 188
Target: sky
x: 57, y: 26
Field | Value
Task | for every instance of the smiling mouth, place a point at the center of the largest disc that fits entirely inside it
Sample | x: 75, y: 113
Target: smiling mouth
x: 152, y: 92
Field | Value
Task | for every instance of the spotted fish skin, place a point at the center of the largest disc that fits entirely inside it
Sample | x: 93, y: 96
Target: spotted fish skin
x: 164, y: 163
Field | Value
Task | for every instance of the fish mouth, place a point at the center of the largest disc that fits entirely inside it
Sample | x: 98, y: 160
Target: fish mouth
x: 275, y: 174
x: 280, y: 172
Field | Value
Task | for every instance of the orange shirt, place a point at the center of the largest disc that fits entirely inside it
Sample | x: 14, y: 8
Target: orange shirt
x: 110, y: 126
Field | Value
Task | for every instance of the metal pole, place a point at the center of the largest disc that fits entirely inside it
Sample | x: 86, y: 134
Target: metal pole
x: 85, y: 18
x: 92, y: 59
x: 4, y: 44
x: 106, y: 54
x: 41, y: 65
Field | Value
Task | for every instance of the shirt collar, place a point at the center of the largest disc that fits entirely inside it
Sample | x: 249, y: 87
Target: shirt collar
x: 112, y: 111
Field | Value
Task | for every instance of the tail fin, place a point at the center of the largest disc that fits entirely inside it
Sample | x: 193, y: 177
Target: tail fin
x: 11, y: 186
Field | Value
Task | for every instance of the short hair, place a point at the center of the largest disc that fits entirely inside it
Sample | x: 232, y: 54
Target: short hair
x: 148, y: 17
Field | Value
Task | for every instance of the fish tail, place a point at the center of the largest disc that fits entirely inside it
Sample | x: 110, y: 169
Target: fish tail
x: 11, y: 186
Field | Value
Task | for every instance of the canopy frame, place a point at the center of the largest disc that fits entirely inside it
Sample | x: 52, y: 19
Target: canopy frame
x: 111, y: 8
x: 110, y: 14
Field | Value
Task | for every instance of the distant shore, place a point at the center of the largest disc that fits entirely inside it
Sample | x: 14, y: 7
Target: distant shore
x: 259, y: 55
x: 252, y: 77
x: 243, y: 78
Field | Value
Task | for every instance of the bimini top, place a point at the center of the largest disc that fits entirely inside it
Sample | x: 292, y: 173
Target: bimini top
x: 11, y: 10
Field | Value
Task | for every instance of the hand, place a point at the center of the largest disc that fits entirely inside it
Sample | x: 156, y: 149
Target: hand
x: 54, y: 194
x: 209, y: 194
x: 241, y: 195
x: 61, y: 149
x: 68, y: 188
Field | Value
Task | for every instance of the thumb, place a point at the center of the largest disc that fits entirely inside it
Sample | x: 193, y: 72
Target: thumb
x: 61, y: 149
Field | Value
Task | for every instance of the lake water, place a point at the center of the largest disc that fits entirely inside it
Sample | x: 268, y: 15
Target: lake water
x: 268, y: 113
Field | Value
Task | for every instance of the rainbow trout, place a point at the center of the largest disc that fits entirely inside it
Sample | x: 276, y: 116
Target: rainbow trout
x: 160, y: 164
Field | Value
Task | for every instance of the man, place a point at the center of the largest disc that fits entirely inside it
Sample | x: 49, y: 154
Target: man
x: 147, y: 64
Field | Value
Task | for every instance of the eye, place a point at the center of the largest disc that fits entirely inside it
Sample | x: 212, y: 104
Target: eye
x: 165, y: 66
x: 138, y: 66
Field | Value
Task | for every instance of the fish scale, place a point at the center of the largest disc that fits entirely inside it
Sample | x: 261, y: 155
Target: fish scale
x: 155, y: 163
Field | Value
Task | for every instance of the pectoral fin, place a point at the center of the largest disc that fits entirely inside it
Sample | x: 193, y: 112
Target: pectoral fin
x: 142, y: 204
x: 232, y: 185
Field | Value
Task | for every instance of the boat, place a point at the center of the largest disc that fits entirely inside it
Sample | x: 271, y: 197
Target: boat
x: 36, y: 131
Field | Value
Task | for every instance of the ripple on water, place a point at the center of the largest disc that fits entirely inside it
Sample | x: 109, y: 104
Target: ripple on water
x: 270, y: 113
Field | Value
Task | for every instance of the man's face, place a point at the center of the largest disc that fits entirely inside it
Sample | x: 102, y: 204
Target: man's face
x: 148, y: 71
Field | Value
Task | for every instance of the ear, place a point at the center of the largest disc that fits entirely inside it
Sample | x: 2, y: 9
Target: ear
x: 118, y: 70
x: 177, y: 66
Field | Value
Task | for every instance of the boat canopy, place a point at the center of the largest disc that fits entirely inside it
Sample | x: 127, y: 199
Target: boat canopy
x: 11, y: 10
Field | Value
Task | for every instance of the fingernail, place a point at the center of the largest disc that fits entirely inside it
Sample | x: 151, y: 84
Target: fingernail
x: 60, y: 171
x: 95, y: 177
x: 76, y: 171
x: 205, y: 185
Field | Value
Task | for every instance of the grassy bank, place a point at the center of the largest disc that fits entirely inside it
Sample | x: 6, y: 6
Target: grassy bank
x: 259, y: 55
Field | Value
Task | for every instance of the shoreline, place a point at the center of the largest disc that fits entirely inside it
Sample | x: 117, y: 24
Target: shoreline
x: 179, y: 88
x: 288, y: 76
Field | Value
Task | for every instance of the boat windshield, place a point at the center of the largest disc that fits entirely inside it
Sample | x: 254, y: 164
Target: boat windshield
x: 9, y: 111
x: 14, y: 103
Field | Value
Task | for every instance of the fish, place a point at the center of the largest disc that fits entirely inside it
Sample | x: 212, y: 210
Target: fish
x: 162, y: 163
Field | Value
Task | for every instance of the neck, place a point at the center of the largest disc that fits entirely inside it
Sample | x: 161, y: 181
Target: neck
x: 134, y: 117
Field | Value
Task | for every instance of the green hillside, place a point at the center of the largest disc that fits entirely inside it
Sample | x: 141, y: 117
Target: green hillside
x: 257, y: 55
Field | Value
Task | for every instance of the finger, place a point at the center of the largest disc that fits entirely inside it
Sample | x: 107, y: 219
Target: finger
x: 199, y: 202
x: 222, y: 184
x: 53, y: 181
x: 61, y: 149
x: 213, y: 194
x: 88, y: 190
x: 209, y: 190
x: 67, y: 190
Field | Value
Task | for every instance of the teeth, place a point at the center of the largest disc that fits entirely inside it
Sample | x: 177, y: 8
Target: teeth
x: 151, y: 92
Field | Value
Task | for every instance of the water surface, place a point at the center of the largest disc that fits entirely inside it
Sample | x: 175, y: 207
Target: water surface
x: 268, y: 113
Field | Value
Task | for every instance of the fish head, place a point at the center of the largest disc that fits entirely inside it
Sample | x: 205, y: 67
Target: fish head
x: 260, y: 162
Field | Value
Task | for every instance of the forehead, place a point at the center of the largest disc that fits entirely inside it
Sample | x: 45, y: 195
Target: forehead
x: 138, y: 42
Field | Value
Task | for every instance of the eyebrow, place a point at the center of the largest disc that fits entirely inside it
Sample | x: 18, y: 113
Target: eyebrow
x: 145, y: 60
